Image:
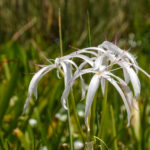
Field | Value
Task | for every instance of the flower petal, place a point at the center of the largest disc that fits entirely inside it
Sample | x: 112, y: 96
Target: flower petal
x: 83, y: 86
x: 34, y: 81
x: 93, y: 86
x: 71, y: 82
x: 133, y: 78
x: 95, y: 48
x: 67, y: 76
x: 110, y: 46
x: 139, y: 68
x: 71, y: 62
x: 86, y: 51
x: 67, y: 68
x: 125, y: 88
x: 79, y: 56
x: 103, y: 85
x: 114, y: 83
x: 126, y: 76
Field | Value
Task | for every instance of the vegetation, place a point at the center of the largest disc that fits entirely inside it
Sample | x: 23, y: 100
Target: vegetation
x: 29, y: 33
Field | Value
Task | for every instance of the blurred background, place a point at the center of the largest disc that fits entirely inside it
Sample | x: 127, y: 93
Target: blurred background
x: 29, y: 32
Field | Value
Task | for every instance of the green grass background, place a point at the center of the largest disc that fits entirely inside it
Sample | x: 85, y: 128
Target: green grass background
x: 29, y: 32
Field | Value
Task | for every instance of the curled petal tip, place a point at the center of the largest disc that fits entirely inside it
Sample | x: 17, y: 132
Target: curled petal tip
x: 65, y: 107
x: 128, y: 125
x: 64, y: 104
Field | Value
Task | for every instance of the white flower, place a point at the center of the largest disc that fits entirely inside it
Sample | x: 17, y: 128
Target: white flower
x: 64, y: 63
x: 101, y: 61
x: 32, y: 122
x: 108, y: 52
x: 78, y: 145
x: 100, y: 74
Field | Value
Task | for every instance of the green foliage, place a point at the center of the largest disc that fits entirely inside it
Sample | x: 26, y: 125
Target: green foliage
x: 25, y: 41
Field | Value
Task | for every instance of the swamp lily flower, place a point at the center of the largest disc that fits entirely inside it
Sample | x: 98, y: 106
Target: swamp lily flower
x: 108, y: 52
x: 100, y: 74
x: 66, y: 64
x: 100, y: 61
x: 63, y: 65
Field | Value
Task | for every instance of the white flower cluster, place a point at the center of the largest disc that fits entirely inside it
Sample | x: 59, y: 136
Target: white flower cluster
x: 100, y: 61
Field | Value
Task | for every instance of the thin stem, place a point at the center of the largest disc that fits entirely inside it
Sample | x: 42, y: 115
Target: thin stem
x: 74, y: 109
x: 69, y: 122
x: 89, y: 121
x: 89, y: 30
x: 93, y: 115
x: 88, y: 127
x: 103, y: 110
x: 113, y: 127
x: 61, y: 53
x: 60, y: 34
x: 76, y: 115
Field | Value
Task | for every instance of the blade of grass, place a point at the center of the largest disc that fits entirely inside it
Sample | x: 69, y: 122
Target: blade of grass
x: 103, y: 111
x: 89, y: 30
x: 91, y: 117
x: 6, y: 68
x: 76, y: 115
x: 61, y: 52
x: 69, y: 123
x: 8, y: 92
x: 60, y: 33
x: 113, y: 127
x: 16, y: 112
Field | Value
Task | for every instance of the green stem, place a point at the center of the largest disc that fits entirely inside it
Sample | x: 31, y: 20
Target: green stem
x: 89, y: 30
x: 60, y: 34
x: 69, y: 122
x: 93, y: 116
x: 103, y: 110
x: 88, y: 127
x: 113, y: 127
x: 76, y: 115
x: 74, y: 110
x: 90, y: 120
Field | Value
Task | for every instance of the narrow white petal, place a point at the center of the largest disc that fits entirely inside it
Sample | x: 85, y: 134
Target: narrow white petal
x: 133, y: 78
x: 103, y: 85
x: 82, y: 72
x: 98, y: 62
x: 89, y: 60
x: 135, y: 82
x: 86, y: 51
x: 26, y: 103
x: 129, y: 96
x: 114, y: 83
x: 71, y: 82
x: 58, y: 74
x: 93, y: 86
x: 110, y: 46
x: 132, y: 59
x: 126, y: 89
x: 82, y: 65
x: 83, y: 86
x: 34, y: 81
x: 67, y: 72
x: 139, y: 68
x: 116, y: 77
x: 96, y: 48
x: 71, y: 62
x: 65, y: 95
x: 67, y: 76
x: 126, y: 76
